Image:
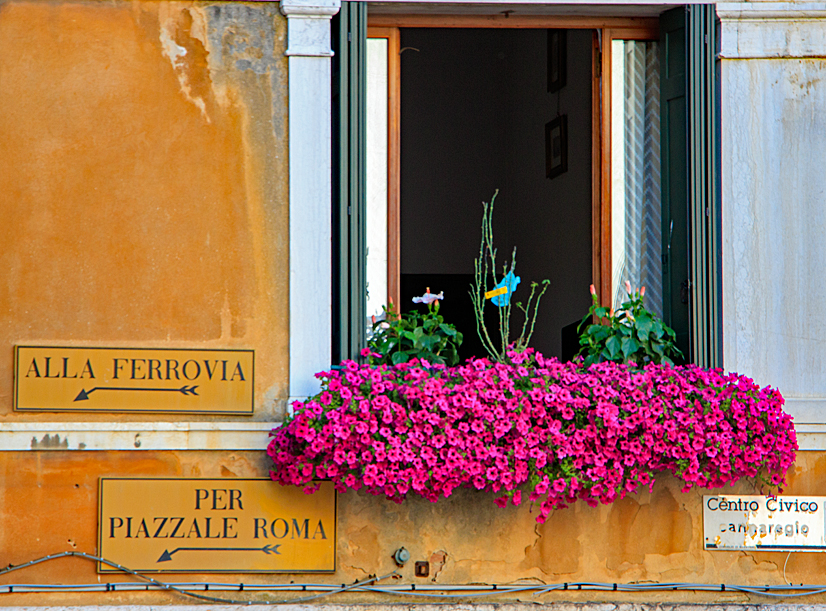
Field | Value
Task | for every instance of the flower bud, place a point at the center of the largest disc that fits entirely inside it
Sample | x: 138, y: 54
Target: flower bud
x: 628, y: 287
x: 592, y: 289
x: 642, y: 292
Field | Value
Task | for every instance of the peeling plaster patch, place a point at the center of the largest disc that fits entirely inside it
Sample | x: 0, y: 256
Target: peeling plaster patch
x: 437, y: 562
x: 50, y: 442
x: 176, y: 54
x: 556, y: 550
x: 171, y: 49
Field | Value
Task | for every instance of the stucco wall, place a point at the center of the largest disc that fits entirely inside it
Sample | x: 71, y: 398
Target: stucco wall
x: 48, y: 504
x: 144, y: 181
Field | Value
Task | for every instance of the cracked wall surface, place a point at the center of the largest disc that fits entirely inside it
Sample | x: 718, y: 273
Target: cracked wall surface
x: 144, y: 181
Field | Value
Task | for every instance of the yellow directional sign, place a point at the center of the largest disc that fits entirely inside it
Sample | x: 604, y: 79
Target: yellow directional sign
x: 50, y: 378
x: 216, y: 526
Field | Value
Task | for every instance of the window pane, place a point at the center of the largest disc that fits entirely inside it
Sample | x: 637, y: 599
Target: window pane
x: 636, y: 211
x: 376, y: 153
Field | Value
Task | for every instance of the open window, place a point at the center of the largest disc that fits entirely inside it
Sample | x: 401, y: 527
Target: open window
x: 458, y: 108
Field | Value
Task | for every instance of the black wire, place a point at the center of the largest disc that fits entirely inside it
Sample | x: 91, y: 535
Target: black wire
x: 172, y: 588
x: 771, y: 591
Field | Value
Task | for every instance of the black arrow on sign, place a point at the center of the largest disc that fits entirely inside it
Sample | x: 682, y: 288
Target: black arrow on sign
x: 267, y: 549
x: 83, y: 395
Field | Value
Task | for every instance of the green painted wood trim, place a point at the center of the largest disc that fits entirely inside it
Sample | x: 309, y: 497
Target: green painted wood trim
x: 704, y: 187
x: 349, y: 180
x: 674, y: 147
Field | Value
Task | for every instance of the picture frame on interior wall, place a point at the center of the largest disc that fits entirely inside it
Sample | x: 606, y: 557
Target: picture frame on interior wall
x: 556, y: 147
x: 557, y: 59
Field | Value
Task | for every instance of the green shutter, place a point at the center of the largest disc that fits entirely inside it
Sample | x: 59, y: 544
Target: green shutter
x: 691, y: 189
x: 348, y: 92
x: 674, y: 174
x: 704, y: 187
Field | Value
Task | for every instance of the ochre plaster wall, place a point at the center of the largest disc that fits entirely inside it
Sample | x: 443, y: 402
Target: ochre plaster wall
x: 143, y: 183
x: 48, y: 503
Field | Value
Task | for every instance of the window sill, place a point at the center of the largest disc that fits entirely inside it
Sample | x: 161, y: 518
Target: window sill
x: 115, y: 436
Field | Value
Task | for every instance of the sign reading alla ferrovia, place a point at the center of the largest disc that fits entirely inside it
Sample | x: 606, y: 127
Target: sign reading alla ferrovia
x: 215, y: 526
x: 64, y: 378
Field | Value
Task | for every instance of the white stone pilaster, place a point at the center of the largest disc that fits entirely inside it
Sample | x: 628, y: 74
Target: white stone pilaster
x: 773, y: 96
x: 309, y: 65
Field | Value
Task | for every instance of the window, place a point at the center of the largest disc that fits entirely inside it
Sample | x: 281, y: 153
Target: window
x: 640, y: 226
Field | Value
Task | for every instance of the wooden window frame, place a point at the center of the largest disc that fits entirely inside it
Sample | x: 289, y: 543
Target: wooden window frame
x: 601, y: 125
x: 606, y: 29
x: 391, y: 33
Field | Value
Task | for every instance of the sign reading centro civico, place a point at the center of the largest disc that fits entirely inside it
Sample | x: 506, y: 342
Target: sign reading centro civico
x: 51, y: 378
x: 215, y: 526
x: 771, y: 523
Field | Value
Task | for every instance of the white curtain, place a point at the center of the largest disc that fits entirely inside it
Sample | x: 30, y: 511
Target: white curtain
x: 636, y: 205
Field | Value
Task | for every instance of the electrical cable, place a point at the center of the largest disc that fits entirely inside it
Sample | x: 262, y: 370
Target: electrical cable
x: 175, y: 588
x: 434, y: 591
x: 785, y: 579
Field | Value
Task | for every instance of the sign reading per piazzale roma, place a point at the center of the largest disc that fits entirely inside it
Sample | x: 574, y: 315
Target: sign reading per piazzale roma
x: 216, y: 526
x: 58, y: 378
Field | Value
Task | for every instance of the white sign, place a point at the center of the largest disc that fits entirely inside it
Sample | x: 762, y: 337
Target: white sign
x: 781, y: 523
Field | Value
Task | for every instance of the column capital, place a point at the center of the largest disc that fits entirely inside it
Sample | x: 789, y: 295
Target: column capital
x: 308, y: 26
x: 772, y: 30
x: 323, y: 9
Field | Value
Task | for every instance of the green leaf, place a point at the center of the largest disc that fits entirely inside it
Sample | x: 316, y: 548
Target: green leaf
x: 428, y: 342
x: 448, y: 329
x: 599, y: 332
x: 643, y: 326
x: 613, y: 347
x: 629, y: 347
x: 399, y: 357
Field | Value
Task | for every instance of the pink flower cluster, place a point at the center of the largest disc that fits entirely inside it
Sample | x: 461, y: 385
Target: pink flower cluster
x: 557, y: 432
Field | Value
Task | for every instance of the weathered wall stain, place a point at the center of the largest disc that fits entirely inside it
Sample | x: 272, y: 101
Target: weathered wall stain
x: 50, y: 442
x: 557, y: 549
x: 144, y: 180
